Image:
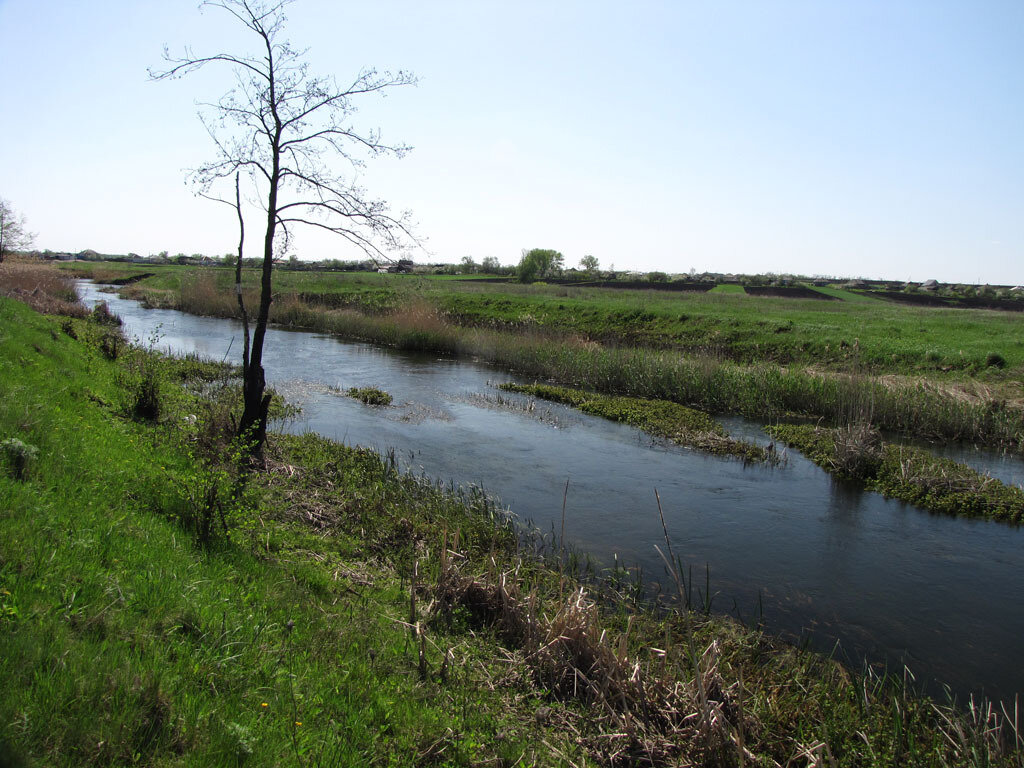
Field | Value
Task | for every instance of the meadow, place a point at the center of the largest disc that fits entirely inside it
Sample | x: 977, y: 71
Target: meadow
x: 164, y: 603
x: 940, y: 374
x: 857, y: 333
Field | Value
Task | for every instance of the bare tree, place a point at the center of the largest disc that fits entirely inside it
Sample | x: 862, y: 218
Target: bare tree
x: 283, y: 128
x: 14, y: 236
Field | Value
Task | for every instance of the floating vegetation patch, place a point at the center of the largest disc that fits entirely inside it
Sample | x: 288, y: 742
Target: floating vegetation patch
x: 524, y: 407
x: 911, y: 474
x: 417, y: 413
x: 370, y: 395
x: 660, y: 418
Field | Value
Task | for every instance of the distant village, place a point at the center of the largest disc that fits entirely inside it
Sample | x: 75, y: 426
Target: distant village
x: 966, y: 294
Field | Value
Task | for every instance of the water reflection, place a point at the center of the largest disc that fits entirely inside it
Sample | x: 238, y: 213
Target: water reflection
x: 892, y: 583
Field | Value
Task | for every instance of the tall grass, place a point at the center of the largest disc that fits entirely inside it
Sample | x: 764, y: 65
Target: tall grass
x: 360, y: 616
x: 39, y: 285
x: 765, y: 392
x: 762, y: 391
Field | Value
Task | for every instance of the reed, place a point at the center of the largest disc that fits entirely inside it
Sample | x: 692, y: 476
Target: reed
x: 40, y: 285
x: 762, y: 391
x: 910, y: 474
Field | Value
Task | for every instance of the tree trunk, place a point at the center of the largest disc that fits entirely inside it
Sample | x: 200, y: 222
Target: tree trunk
x: 253, y: 426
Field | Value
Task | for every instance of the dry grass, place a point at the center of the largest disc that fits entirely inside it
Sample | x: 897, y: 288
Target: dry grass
x: 858, y: 451
x: 656, y: 708
x: 421, y: 316
x: 686, y: 703
x: 946, y: 477
x: 40, y: 285
x: 201, y: 296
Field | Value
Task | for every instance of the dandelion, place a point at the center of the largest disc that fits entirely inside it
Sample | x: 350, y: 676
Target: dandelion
x: 298, y: 722
x: 263, y: 704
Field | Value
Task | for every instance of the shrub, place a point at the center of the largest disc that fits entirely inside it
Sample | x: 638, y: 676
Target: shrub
x: 102, y: 315
x: 995, y: 360
x: 146, y: 395
x: 111, y: 344
x: 19, y: 455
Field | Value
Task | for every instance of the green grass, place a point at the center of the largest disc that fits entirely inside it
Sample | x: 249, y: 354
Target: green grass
x: 910, y: 474
x: 122, y: 641
x: 126, y: 637
x: 728, y: 288
x: 370, y: 395
x: 858, y: 333
x: 989, y: 413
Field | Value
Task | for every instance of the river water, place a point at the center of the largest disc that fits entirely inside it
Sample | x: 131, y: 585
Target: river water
x: 809, y: 557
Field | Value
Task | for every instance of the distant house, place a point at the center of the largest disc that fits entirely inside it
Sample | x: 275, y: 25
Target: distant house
x: 930, y: 285
x: 856, y: 284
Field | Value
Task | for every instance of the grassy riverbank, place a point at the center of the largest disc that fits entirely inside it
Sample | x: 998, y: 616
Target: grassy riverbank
x: 914, y: 475
x: 854, y: 334
x: 985, y: 409
x: 160, y: 605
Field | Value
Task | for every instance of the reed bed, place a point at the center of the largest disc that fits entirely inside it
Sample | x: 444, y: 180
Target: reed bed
x: 648, y: 713
x: 857, y: 452
x: 39, y: 285
x: 684, y: 691
x: 765, y: 391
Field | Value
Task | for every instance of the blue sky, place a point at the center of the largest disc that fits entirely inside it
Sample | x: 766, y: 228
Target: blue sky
x: 860, y: 139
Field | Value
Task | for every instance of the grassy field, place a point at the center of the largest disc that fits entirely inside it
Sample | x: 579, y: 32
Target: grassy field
x: 855, y: 334
x: 163, y: 604
x: 970, y: 401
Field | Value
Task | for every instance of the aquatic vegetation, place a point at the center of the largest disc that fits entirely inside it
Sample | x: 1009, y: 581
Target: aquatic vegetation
x: 603, y: 341
x: 660, y: 418
x: 911, y: 474
x: 514, y: 405
x: 355, y: 614
x: 370, y: 395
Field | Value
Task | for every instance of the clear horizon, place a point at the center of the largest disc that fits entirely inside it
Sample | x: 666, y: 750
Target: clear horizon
x: 872, y: 140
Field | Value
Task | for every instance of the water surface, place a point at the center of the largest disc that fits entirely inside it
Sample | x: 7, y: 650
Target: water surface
x: 810, y: 556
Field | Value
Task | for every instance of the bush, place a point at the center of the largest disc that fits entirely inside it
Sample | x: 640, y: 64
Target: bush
x: 19, y: 456
x: 102, y: 315
x: 995, y: 360
x: 111, y: 345
x: 145, y: 393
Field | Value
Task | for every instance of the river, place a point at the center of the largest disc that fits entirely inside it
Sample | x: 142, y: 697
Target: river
x: 810, y: 557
